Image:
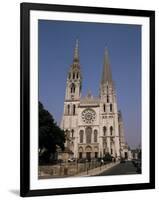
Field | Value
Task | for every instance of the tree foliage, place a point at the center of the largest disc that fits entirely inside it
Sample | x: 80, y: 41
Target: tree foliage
x: 107, y: 157
x: 50, y: 136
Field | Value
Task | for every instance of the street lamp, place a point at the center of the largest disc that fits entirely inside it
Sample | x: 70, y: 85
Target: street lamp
x: 77, y: 164
x: 87, y: 166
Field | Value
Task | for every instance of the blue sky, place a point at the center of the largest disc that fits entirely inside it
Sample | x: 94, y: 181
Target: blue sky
x: 56, y: 46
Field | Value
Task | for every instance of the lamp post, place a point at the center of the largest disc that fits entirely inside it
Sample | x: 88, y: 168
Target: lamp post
x: 87, y: 166
x: 77, y: 165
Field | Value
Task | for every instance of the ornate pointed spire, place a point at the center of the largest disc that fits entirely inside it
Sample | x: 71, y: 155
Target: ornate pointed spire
x: 76, y: 52
x: 106, y: 75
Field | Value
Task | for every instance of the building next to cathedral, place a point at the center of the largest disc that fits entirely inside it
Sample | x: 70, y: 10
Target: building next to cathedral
x: 93, y: 125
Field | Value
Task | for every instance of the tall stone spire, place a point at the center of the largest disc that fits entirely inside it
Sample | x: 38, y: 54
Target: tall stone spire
x: 76, y: 52
x: 106, y: 75
x: 74, y: 78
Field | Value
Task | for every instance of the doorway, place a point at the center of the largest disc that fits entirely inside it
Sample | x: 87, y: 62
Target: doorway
x: 126, y: 155
x: 88, y: 156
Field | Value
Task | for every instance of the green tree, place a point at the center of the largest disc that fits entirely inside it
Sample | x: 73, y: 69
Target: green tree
x: 50, y: 136
x: 107, y: 157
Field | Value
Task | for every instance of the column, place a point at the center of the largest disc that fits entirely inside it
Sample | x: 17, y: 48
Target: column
x: 108, y: 144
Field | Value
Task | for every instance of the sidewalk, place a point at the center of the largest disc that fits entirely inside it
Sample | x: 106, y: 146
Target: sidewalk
x: 98, y: 170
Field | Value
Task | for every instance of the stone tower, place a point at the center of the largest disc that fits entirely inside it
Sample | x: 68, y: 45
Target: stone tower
x: 72, y: 99
x: 108, y: 111
x: 74, y: 78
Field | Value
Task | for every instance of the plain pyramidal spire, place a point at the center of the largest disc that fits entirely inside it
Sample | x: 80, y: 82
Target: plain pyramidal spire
x: 106, y: 75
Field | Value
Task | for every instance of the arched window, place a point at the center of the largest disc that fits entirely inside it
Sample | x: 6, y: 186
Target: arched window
x: 74, y: 109
x: 111, y: 151
x: 107, y: 99
x: 72, y: 88
x: 73, y: 75
x: 77, y: 75
x: 88, y: 134
x: 111, y: 108
x: 95, y: 135
x: 104, y: 107
x: 68, y: 109
x: 81, y: 133
x: 80, y: 150
x: 104, y: 131
x: 111, y: 130
x: 72, y: 131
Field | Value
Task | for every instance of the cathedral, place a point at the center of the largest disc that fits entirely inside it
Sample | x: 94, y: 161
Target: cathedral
x: 93, y: 125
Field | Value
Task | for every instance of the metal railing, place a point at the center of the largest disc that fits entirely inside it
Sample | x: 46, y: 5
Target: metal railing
x: 68, y: 168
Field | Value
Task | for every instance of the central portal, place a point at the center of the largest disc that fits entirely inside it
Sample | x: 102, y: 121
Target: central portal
x: 88, y: 152
x: 88, y: 156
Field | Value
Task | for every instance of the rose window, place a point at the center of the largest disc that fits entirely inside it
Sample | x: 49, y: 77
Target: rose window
x: 88, y: 116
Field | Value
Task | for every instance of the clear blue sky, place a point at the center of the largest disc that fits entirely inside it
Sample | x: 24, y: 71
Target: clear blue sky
x: 56, y: 46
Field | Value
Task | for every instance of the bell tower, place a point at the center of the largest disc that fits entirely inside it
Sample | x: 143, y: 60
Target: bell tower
x: 108, y: 111
x: 74, y: 78
x: 69, y: 122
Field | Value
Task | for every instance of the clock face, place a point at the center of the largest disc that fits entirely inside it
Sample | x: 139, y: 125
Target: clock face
x: 88, y: 116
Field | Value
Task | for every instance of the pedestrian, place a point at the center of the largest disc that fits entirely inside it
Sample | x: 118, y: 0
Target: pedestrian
x: 102, y: 161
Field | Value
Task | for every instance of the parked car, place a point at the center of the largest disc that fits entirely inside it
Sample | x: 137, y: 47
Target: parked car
x: 71, y: 160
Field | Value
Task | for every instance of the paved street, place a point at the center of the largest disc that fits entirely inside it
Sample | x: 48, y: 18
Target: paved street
x: 121, y: 169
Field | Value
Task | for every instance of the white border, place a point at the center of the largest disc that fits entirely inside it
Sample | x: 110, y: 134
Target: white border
x: 87, y: 181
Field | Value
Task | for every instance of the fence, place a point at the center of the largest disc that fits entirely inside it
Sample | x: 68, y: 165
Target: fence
x: 67, y: 169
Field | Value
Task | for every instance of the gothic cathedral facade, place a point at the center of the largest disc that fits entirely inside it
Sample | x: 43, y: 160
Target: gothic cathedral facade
x: 93, y: 125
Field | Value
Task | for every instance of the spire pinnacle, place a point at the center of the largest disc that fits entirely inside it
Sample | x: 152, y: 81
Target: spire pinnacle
x: 106, y: 75
x: 76, y: 52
